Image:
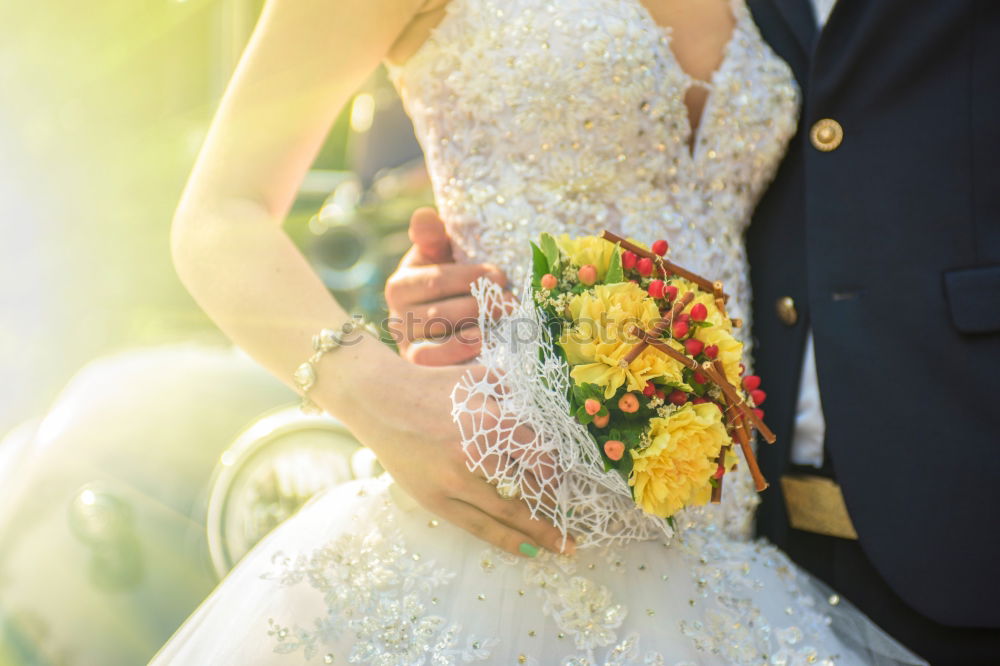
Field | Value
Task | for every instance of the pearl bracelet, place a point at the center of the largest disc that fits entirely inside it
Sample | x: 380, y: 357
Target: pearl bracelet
x: 325, y: 341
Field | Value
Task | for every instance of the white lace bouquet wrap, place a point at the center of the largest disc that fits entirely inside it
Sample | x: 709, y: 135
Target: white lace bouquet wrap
x: 612, y: 395
x: 557, y: 468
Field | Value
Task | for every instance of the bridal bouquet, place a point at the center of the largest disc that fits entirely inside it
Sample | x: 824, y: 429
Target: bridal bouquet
x: 624, y: 369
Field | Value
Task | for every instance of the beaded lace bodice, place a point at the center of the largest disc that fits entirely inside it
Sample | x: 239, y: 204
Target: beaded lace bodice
x: 541, y: 116
x: 569, y: 116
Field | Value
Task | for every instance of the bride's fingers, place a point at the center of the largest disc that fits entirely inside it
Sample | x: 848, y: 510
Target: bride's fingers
x: 528, y: 451
x: 516, y: 514
x: 495, y: 466
x: 452, y: 350
x: 506, y: 433
x: 488, y: 528
x: 544, y: 493
x: 522, y: 443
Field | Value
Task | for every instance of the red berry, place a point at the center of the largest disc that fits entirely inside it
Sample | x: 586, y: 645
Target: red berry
x: 678, y: 397
x: 629, y: 260
x: 549, y: 281
x: 628, y: 403
x: 699, y: 312
x: 661, y: 394
x: 649, y: 390
x: 699, y: 401
x: 758, y: 397
x: 751, y: 382
x: 684, y: 316
x: 700, y: 378
x: 712, y: 351
x: 591, y: 406
x: 587, y: 274
x: 694, y: 347
x: 656, y: 288
x: 601, y: 421
x: 680, y: 329
x: 614, y: 449
x: 645, y: 267
x: 670, y: 292
x: 660, y: 247
x: 759, y: 413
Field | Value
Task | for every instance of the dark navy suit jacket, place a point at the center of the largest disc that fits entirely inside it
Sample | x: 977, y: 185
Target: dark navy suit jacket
x: 890, y: 247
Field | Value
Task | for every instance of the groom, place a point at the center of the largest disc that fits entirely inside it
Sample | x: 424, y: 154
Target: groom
x: 875, y: 263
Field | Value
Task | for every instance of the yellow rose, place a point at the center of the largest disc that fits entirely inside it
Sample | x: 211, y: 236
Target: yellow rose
x: 674, y: 471
x: 588, y: 250
x: 730, y: 350
x: 707, y: 299
x: 599, y: 338
x: 720, y: 333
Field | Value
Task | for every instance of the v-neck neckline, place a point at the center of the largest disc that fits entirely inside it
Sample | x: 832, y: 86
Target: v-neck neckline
x: 695, y: 133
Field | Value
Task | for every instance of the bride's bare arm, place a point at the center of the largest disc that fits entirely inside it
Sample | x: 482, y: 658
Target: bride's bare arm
x: 303, y: 62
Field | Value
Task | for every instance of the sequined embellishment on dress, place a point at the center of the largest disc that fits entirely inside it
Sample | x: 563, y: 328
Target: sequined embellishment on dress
x: 378, y: 593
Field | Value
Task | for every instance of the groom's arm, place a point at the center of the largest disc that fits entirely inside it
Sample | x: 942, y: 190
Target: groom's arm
x: 432, y: 314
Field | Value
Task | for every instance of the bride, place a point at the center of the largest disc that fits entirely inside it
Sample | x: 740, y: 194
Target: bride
x: 659, y: 119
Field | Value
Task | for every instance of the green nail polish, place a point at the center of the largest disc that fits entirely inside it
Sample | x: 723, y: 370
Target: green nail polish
x: 527, y: 549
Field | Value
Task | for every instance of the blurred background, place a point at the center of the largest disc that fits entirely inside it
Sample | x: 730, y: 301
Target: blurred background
x: 140, y: 454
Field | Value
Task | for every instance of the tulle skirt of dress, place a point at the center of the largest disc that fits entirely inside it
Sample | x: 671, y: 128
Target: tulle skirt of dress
x: 362, y: 574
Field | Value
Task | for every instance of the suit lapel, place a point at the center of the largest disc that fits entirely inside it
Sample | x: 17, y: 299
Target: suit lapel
x: 798, y: 14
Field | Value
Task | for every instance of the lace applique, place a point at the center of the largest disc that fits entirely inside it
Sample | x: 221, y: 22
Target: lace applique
x: 377, y: 593
x: 585, y: 611
x: 579, y: 606
x: 734, y: 627
x: 626, y: 653
x: 736, y: 603
x: 730, y: 627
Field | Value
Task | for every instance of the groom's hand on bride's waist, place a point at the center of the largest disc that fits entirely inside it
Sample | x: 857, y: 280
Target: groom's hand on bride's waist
x: 432, y: 314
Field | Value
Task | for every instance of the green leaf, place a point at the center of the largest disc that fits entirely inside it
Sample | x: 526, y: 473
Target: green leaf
x: 687, y: 388
x: 551, y: 251
x: 700, y: 324
x: 626, y: 464
x: 539, y: 264
x: 615, y: 273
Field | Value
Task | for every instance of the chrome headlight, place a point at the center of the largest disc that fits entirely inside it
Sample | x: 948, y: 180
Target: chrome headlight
x: 272, y: 468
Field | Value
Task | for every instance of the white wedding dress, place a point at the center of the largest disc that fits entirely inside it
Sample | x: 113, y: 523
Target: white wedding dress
x: 568, y: 116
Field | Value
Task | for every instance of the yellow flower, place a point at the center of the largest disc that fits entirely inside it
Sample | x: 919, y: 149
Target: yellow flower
x: 588, y: 250
x: 730, y: 350
x: 720, y: 333
x: 674, y: 470
x: 707, y: 299
x: 600, y: 338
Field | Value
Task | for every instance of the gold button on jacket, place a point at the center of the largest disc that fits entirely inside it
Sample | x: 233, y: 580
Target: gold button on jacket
x: 785, y: 307
x: 826, y: 134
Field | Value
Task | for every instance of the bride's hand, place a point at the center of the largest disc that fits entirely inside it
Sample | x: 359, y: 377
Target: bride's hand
x: 412, y: 432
